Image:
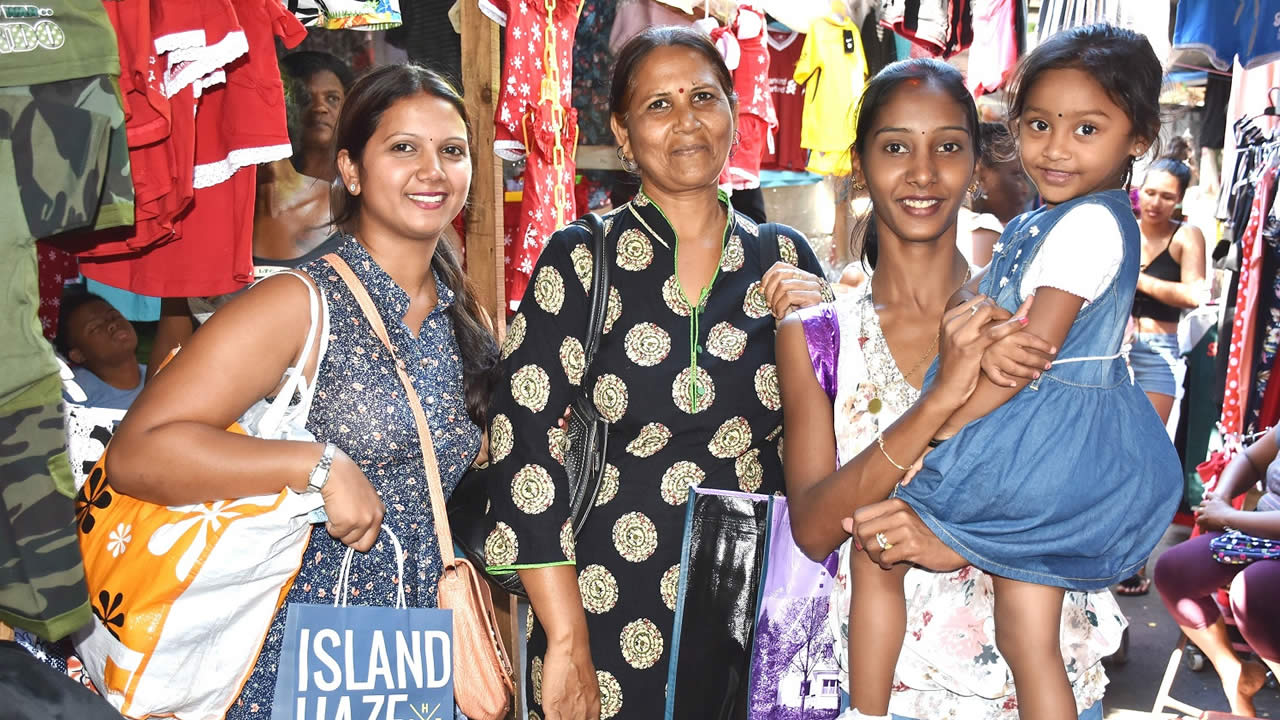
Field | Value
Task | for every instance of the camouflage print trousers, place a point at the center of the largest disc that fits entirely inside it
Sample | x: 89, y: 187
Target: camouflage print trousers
x: 42, y: 585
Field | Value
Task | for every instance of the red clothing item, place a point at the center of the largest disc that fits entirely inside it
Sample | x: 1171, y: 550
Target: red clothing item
x: 788, y: 103
x: 214, y: 256
x: 755, y: 108
x: 525, y: 129
x: 537, y: 206
x: 56, y: 267
x: 1240, y: 355
x: 241, y: 121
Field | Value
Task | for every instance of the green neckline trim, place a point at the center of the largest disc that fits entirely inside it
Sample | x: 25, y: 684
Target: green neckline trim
x: 695, y: 309
x: 508, y: 569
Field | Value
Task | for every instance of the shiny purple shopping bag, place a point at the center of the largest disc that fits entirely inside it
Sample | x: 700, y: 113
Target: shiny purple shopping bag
x: 383, y: 663
x: 795, y: 674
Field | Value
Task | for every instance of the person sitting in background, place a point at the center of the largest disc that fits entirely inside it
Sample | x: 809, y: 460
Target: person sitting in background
x: 1003, y: 192
x: 102, y: 347
x: 291, y: 212
x: 1187, y: 576
x: 326, y: 79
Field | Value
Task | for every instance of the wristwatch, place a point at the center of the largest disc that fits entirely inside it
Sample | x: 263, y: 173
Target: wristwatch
x: 320, y: 473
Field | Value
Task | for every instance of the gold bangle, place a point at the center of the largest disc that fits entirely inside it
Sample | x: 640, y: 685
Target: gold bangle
x: 880, y: 442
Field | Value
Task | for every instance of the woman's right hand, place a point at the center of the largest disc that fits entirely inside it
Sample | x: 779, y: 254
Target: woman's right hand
x: 570, y: 690
x: 353, y: 506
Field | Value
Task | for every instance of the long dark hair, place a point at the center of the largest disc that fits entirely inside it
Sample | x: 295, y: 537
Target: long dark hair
x: 371, y: 96
x: 877, y: 93
x: 1121, y: 61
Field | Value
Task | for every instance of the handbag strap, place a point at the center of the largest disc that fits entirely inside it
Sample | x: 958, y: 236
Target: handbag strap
x: 768, y: 246
x: 599, y: 298
x: 440, y: 516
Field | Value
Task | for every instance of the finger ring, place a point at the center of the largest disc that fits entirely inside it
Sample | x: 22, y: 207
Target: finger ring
x: 884, y: 541
x: 973, y: 310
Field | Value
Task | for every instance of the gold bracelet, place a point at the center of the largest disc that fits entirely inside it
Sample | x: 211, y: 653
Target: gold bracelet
x: 880, y: 442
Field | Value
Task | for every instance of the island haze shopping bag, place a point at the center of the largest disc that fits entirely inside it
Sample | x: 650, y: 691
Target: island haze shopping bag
x: 340, y: 661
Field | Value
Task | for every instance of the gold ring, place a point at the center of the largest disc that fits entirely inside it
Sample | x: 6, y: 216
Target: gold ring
x: 884, y: 541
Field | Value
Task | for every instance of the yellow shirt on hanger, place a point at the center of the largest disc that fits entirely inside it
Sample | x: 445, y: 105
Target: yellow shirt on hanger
x: 833, y: 69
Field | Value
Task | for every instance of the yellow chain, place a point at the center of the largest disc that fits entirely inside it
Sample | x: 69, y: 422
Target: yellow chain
x: 550, y: 93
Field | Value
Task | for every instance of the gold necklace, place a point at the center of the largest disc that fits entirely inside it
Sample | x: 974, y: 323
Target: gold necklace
x: 936, y: 338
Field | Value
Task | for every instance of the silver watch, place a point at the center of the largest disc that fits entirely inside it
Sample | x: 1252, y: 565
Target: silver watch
x: 320, y: 473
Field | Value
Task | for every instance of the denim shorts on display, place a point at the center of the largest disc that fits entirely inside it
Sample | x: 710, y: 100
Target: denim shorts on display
x: 1154, y: 358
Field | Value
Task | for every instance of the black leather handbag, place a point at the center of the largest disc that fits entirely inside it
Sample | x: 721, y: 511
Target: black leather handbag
x: 588, y: 438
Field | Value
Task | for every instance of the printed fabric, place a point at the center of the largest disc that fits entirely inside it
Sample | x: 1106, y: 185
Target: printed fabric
x: 691, y: 392
x: 949, y: 666
x: 536, y: 122
x: 359, y: 406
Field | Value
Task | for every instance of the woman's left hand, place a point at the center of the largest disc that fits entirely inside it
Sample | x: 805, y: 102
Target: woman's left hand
x: 1214, y: 513
x: 907, y: 538
x: 788, y: 288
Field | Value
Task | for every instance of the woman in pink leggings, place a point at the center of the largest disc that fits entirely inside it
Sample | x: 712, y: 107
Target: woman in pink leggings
x: 1187, y: 576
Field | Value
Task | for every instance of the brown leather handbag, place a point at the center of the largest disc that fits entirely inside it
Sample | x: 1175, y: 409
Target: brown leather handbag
x: 483, y: 681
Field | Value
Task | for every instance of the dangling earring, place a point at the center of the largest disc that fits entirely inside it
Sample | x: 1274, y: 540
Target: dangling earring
x: 974, y: 187
x: 855, y: 185
x: 627, y: 163
x: 737, y: 137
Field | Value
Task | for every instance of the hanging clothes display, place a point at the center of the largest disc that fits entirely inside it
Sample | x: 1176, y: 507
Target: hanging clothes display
x: 744, y: 49
x: 1223, y: 31
x: 223, y: 119
x: 878, y: 42
x: 833, y: 69
x: 1267, y: 322
x: 535, y: 122
x: 940, y: 27
x: 787, y: 95
x: 995, y: 48
x: 1142, y: 16
x: 1241, y: 350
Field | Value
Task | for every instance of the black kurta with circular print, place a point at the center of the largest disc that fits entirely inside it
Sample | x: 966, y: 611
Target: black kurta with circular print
x: 692, y: 397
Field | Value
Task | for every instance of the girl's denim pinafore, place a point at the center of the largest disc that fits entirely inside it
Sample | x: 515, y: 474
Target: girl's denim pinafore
x: 1073, y: 481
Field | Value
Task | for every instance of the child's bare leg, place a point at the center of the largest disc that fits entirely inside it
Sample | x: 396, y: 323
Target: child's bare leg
x: 877, y: 625
x: 1028, y: 620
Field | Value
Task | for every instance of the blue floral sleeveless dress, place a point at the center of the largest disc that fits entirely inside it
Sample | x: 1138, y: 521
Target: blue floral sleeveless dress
x: 360, y: 407
x: 1073, y: 481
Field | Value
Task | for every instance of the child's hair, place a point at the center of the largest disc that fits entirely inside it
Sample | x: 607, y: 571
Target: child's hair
x: 1174, y: 167
x: 916, y: 71
x: 1119, y: 60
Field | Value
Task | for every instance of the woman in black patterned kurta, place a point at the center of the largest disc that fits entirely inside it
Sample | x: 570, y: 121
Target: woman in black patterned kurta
x: 709, y: 418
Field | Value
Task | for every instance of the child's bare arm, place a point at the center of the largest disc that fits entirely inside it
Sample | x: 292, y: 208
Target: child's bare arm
x: 1050, y: 318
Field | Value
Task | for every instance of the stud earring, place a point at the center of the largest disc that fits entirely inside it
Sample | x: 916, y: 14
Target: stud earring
x: 973, y: 187
x: 353, y: 188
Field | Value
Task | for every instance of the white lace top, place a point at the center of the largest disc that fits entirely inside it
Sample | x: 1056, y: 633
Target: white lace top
x: 949, y: 666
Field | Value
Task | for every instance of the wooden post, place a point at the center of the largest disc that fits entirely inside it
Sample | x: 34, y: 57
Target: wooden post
x: 480, y: 86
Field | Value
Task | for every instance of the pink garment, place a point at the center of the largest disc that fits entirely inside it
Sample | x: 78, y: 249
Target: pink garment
x: 1240, y: 355
x: 994, y: 52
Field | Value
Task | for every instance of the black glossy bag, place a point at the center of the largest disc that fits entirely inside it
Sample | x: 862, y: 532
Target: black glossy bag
x: 588, y: 436
x: 726, y: 535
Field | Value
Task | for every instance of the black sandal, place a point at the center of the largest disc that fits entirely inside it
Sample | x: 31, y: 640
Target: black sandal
x: 1135, y: 586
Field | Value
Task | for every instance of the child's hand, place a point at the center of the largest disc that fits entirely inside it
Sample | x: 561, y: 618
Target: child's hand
x: 1016, y: 352
x: 964, y: 338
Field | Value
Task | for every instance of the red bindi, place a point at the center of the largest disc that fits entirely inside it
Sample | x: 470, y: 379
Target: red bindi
x: 681, y: 91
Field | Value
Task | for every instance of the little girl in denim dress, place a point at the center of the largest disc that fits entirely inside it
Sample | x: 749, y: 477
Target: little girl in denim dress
x: 1070, y: 481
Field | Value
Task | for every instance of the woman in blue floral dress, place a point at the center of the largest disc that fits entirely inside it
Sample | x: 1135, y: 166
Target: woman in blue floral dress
x: 404, y: 162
